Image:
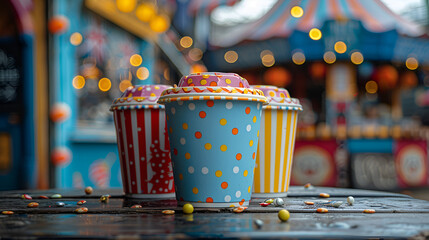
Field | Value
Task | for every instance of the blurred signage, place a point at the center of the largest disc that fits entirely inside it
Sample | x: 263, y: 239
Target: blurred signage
x: 341, y: 82
x: 411, y: 163
x: 10, y: 75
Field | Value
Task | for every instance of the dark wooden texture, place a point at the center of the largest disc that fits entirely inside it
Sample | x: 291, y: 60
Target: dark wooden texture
x: 396, y: 216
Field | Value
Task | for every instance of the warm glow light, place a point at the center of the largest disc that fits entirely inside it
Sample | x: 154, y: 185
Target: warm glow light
x: 296, y: 12
x: 268, y: 60
x: 142, y: 73
x: 186, y: 42
x: 298, y: 58
x: 104, y: 84
x: 136, y: 60
x: 329, y: 57
x: 371, y: 87
x: 76, y: 39
x: 340, y: 47
x: 167, y: 74
x: 159, y: 23
x: 195, y: 54
x: 231, y: 56
x: 412, y: 63
x: 315, y: 34
x: 126, y: 5
x: 124, y: 84
x: 78, y: 82
x: 145, y: 12
x: 357, y: 58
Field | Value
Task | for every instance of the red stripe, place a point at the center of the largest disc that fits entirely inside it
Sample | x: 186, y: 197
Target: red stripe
x: 121, y: 150
x: 129, y: 133
x: 142, y: 152
x: 155, y: 125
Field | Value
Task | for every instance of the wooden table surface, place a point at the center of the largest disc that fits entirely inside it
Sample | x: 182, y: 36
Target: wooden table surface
x: 396, y: 216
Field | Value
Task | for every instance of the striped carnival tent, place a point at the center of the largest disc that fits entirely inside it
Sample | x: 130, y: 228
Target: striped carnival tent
x: 207, y: 6
x: 364, y: 25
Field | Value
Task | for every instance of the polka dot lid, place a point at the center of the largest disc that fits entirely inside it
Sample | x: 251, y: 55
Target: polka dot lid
x: 279, y: 97
x: 212, y: 85
x: 139, y: 96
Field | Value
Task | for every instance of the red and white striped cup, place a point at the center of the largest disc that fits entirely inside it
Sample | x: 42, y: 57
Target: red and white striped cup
x: 143, y: 143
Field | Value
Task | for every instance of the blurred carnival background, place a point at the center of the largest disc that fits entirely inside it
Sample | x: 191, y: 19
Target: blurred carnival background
x: 360, y: 69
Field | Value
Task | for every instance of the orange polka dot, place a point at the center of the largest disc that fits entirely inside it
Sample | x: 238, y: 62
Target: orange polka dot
x: 171, y: 130
x: 247, y: 110
x: 241, y: 203
x: 181, y: 176
x: 195, y: 190
x: 253, y: 155
x: 224, y: 185
x: 209, y: 200
x: 241, y: 84
x: 238, y: 156
x: 198, y: 135
x: 210, y: 103
x: 235, y: 131
x: 191, y: 85
x: 213, y: 84
x: 202, y: 114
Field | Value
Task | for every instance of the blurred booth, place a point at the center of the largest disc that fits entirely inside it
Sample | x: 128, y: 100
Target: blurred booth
x: 360, y: 71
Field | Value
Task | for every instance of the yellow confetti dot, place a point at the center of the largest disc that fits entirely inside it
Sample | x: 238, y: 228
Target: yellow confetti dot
x: 223, y: 148
x: 181, y: 176
x: 187, y: 155
x: 222, y: 122
x: 272, y: 94
x: 205, y: 76
x: 232, y: 205
x: 254, y: 119
x: 218, y: 173
x: 152, y: 95
x: 228, y: 81
x: 257, y: 134
x: 203, y: 82
x: 208, y: 146
x: 140, y: 88
x: 189, y: 80
x: 251, y: 143
x: 195, y: 190
x: 185, y: 126
x: 248, y: 189
x: 245, y: 173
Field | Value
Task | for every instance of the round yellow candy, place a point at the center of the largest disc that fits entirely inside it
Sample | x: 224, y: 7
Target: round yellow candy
x: 284, y: 215
x: 188, y: 208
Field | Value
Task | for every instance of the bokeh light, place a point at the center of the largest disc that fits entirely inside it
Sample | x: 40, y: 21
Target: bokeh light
x: 298, y: 58
x: 78, y: 82
x: 126, y: 5
x: 412, y: 63
x: 186, y: 42
x: 159, y: 23
x: 267, y: 58
x: 195, y: 54
x: 231, y: 56
x: 315, y: 34
x: 356, y: 58
x: 124, y: 84
x: 167, y: 74
x: 76, y: 39
x: 340, y: 47
x: 145, y: 12
x: 371, y: 87
x: 329, y: 57
x: 296, y: 12
x: 142, y: 73
x: 136, y: 60
x: 104, y: 84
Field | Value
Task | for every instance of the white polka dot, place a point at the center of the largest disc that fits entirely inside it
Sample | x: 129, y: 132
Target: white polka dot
x: 236, y: 169
x: 142, y: 158
x: 166, y: 182
x: 163, y: 161
x: 155, y: 150
x: 139, y: 129
x: 248, y: 128
x: 134, y: 90
x: 160, y: 189
x: 153, y: 164
x: 182, y: 141
x: 156, y: 141
x: 163, y: 155
x: 228, y: 105
x: 166, y: 190
x: 258, y: 106
x: 134, y: 183
x: 191, y: 169
x: 154, y: 191
x: 162, y: 176
x: 157, y: 155
x: 131, y: 145
x: 148, y: 89
x: 191, y: 106
x: 160, y: 165
x: 173, y: 110
x: 204, y: 170
x: 162, y: 171
x: 180, y: 103
x: 156, y: 181
x: 238, y: 194
x: 131, y: 163
x: 227, y: 198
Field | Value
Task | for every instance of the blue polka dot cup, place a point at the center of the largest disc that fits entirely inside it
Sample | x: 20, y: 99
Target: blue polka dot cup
x: 213, y: 122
